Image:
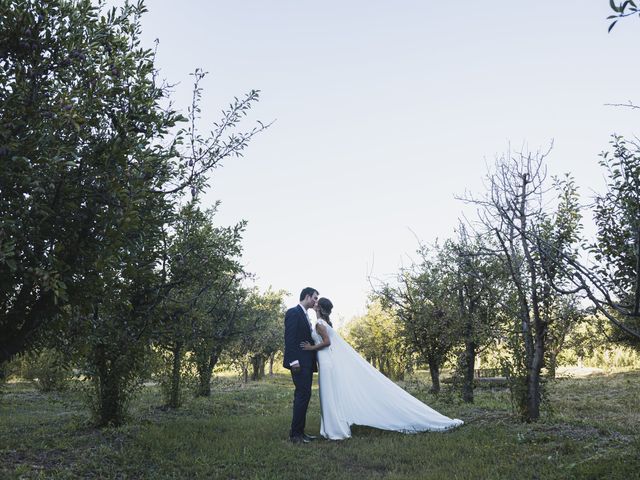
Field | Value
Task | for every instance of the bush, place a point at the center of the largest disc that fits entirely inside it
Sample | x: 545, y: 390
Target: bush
x: 605, y: 357
x: 48, y: 369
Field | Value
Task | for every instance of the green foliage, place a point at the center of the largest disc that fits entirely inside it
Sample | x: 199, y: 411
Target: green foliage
x: 623, y: 9
x: 200, y: 257
x: 48, y: 368
x: 176, y: 376
x: 609, y: 357
x: 113, y: 366
x: 566, y: 318
x: 377, y: 336
x: 92, y: 167
x: 220, y: 327
x: 426, y: 310
x: 91, y: 163
x: 617, y: 246
x: 593, y: 344
x: 79, y: 112
x: 262, y: 334
x: 530, y: 241
x: 476, y: 281
x: 617, y: 216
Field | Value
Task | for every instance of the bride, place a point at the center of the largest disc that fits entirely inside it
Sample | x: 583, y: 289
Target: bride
x: 353, y: 392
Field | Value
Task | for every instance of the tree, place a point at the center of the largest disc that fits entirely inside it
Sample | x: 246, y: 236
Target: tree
x: 199, y: 256
x: 270, y: 308
x: 475, y: 280
x: 611, y: 280
x: 220, y: 325
x: 262, y: 335
x: 92, y: 166
x: 85, y: 147
x: 617, y: 246
x: 567, y: 317
x: 426, y: 311
x: 377, y: 337
x: 511, y: 212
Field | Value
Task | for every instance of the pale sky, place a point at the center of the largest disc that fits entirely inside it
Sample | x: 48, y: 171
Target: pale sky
x: 385, y: 110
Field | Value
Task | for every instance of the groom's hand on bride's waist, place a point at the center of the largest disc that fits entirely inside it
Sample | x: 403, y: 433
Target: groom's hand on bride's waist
x: 306, y: 346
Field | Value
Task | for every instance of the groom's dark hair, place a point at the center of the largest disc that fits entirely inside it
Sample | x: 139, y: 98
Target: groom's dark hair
x: 307, y: 291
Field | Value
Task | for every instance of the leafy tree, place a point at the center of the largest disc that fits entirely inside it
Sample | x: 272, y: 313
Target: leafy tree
x: 269, y: 308
x: 611, y: 281
x: 199, y: 256
x: 377, y: 335
x: 617, y: 246
x: 262, y: 334
x: 474, y: 278
x: 426, y: 310
x: 219, y: 326
x: 567, y: 317
x: 92, y: 165
x: 85, y: 150
x: 512, y: 212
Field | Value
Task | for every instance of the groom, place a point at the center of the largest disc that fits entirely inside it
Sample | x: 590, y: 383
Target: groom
x: 302, y: 363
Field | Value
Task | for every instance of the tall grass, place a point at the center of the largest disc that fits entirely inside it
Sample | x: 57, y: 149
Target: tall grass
x: 241, y: 432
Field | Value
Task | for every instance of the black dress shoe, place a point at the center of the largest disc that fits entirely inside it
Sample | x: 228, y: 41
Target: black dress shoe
x: 308, y: 438
x: 298, y: 440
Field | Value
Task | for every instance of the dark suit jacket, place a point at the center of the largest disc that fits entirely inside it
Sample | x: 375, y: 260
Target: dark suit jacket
x: 296, y: 331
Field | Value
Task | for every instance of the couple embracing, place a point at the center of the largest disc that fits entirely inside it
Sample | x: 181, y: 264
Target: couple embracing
x: 352, y: 391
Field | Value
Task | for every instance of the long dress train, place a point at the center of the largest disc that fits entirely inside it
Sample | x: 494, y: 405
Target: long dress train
x: 353, y: 392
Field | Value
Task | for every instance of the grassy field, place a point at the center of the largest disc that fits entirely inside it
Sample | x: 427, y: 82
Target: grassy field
x: 241, y: 433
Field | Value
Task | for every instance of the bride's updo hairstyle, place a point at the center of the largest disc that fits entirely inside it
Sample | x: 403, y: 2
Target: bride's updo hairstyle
x: 324, y: 309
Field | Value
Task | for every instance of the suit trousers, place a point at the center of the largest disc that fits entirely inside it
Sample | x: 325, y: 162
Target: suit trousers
x: 302, y: 381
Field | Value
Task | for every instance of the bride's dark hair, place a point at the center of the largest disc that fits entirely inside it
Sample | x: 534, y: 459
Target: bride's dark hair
x: 324, y: 310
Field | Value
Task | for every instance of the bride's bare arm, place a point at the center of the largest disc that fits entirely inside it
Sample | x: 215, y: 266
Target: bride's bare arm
x: 322, y: 331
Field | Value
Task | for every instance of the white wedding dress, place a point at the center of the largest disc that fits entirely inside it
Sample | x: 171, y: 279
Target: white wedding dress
x: 353, y: 392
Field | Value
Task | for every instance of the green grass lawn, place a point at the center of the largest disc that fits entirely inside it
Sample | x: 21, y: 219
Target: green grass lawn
x: 241, y: 432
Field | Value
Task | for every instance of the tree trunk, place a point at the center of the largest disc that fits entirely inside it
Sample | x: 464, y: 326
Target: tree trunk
x: 263, y: 362
x: 381, y: 366
x: 110, y: 399
x: 552, y: 365
x: 176, y: 376
x: 204, y: 382
x: 205, y: 371
x: 534, y: 396
x: 245, y: 373
x: 255, y: 365
x: 434, y: 370
x: 469, y: 359
x: 271, y: 360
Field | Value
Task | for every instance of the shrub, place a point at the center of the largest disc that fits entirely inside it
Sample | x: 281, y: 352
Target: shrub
x: 48, y: 369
